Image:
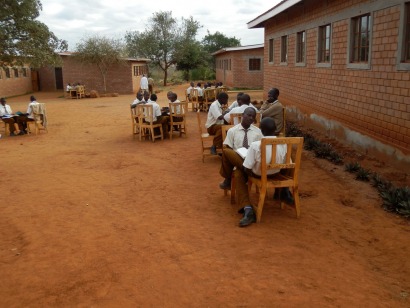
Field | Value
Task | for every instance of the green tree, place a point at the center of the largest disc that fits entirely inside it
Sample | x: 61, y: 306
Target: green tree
x: 214, y: 42
x: 100, y: 51
x: 25, y: 39
x: 162, y: 41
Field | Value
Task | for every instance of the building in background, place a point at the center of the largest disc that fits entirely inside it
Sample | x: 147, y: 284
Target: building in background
x: 240, y: 67
x: 16, y: 80
x: 343, y: 66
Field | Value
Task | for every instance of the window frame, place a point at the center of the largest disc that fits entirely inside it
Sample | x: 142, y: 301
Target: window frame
x: 16, y: 72
x: 322, y: 39
x: 258, y: 66
x: 284, y: 50
x: 7, y: 73
x: 300, y: 53
x: 403, y: 64
x: 271, y: 50
x: 352, y: 45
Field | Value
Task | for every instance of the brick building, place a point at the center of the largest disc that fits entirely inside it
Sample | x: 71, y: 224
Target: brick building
x: 123, y: 78
x: 240, y: 67
x: 15, y: 81
x: 343, y: 66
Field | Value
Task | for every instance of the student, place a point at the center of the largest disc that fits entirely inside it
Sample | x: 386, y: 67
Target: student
x: 215, y: 121
x: 274, y: 109
x: 12, y: 120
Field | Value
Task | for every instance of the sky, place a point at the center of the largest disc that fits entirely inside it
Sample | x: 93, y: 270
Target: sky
x: 74, y: 20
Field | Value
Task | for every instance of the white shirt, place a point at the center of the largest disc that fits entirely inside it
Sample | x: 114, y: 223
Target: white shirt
x: 178, y: 108
x: 156, y: 110
x: 239, y: 109
x: 136, y: 102
x: 200, y: 92
x: 234, y: 136
x: 215, y: 110
x: 5, y: 110
x: 253, y: 158
x: 144, y: 83
x: 30, y: 110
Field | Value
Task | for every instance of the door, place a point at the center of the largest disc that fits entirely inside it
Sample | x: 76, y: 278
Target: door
x: 59, y: 78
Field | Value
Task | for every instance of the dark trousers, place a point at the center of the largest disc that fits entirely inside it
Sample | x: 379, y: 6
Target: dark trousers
x: 216, y: 130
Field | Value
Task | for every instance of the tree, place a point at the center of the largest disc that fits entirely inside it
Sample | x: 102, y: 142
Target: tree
x: 214, y: 42
x: 161, y: 40
x: 25, y: 39
x: 101, y: 51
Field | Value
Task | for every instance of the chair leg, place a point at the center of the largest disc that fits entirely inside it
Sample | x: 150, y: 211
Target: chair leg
x: 262, y: 195
x: 297, y: 201
x: 233, y: 190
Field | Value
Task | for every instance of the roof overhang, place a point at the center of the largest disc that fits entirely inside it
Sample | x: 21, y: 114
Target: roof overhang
x: 259, y: 21
x: 237, y: 48
x: 70, y: 53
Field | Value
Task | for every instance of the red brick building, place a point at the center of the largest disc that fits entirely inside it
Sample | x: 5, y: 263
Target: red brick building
x: 123, y: 78
x: 344, y: 66
x: 240, y: 67
x: 15, y: 81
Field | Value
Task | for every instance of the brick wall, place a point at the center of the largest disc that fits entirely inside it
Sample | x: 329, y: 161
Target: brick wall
x: 15, y: 85
x: 119, y: 77
x: 240, y: 76
x: 375, y: 101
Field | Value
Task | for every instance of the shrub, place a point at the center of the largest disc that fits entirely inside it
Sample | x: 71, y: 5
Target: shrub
x: 363, y: 174
x: 397, y: 200
x: 352, y: 167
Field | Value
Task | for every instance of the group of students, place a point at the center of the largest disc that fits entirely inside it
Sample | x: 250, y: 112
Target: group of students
x: 17, y: 121
x: 245, y: 135
x: 160, y: 116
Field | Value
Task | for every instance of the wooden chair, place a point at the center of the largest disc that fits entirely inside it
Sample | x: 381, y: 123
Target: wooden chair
x: 236, y: 118
x: 39, y: 118
x: 209, y: 97
x: 289, y: 178
x: 80, y: 92
x: 225, y: 129
x: 206, y: 139
x: 194, y: 99
x: 283, y: 130
x: 145, y: 119
x: 134, y: 121
x: 177, y: 117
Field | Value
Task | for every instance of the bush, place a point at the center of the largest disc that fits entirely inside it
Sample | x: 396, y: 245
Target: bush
x: 363, y: 174
x: 352, y: 167
x: 397, y: 200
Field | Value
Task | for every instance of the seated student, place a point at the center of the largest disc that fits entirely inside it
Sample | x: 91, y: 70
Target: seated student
x: 138, y: 100
x: 188, y: 91
x: 244, y: 101
x: 29, y: 116
x: 235, y: 103
x: 252, y: 166
x: 274, y: 109
x: 158, y: 118
x: 215, y: 121
x: 12, y: 120
x: 68, y: 87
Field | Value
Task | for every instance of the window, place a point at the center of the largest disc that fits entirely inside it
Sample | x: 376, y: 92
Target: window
x: 24, y: 71
x: 7, y: 72
x: 271, y: 50
x: 284, y: 49
x: 360, y: 41
x: 254, y: 64
x: 140, y: 69
x: 1, y: 73
x: 324, y: 44
x: 16, y: 72
x: 300, y: 47
x: 406, y: 37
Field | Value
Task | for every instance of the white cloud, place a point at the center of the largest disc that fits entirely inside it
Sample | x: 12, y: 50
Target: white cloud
x: 113, y: 18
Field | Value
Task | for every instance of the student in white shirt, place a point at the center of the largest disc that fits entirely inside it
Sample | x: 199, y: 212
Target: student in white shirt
x: 13, y: 121
x: 244, y: 101
x: 158, y: 118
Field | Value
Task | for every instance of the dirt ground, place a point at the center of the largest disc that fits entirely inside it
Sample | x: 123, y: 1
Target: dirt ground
x: 91, y: 217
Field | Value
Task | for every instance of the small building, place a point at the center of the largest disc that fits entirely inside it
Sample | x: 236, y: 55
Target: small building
x: 16, y: 80
x: 240, y: 67
x: 123, y: 78
x: 343, y: 66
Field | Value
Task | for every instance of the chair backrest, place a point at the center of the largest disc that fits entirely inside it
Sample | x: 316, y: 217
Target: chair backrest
x: 294, y: 144
x: 145, y: 112
x: 283, y: 131
x: 198, y: 117
x: 225, y: 129
x: 39, y: 113
x: 178, y: 109
x: 194, y: 94
x: 236, y: 118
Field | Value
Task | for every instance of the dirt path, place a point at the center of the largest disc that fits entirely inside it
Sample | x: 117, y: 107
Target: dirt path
x: 92, y: 217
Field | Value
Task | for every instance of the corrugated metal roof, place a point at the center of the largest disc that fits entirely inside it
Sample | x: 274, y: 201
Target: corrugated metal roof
x: 237, y: 48
x: 70, y: 53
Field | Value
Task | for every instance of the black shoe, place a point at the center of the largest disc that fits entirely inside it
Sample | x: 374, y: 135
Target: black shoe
x: 226, y: 184
x: 13, y: 134
x: 213, y: 150
x: 241, y: 210
x: 286, y: 196
x: 248, y: 218
x: 21, y: 133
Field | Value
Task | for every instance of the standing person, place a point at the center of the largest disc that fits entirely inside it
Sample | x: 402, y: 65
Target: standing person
x: 151, y: 85
x: 274, y: 109
x: 13, y: 121
x: 216, y: 120
x: 144, y: 83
